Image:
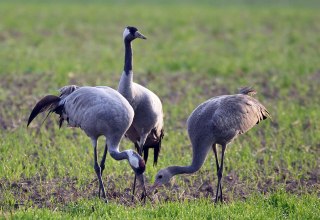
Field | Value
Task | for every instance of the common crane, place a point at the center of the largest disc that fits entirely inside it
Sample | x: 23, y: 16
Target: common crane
x: 98, y: 111
x: 146, y: 130
x: 219, y: 120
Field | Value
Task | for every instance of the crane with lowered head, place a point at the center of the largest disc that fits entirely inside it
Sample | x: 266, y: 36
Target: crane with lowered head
x: 218, y: 120
x: 98, y: 111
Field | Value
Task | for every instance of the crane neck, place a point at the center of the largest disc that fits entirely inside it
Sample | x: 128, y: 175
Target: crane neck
x: 175, y: 170
x: 127, y: 57
x: 118, y: 155
x: 198, y: 158
x: 126, y: 81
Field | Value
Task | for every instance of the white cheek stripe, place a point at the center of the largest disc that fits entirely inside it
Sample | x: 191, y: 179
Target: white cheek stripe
x: 125, y: 33
x: 133, y: 160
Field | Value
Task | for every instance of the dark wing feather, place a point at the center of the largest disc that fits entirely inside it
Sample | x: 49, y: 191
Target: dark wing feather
x: 153, y: 142
x: 48, y: 103
x: 157, y: 149
x: 247, y: 91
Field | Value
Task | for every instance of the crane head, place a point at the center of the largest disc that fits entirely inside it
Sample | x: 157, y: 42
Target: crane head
x: 136, y: 162
x: 130, y: 33
x: 162, y: 177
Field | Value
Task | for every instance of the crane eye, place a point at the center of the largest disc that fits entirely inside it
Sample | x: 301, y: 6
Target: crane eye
x: 160, y: 176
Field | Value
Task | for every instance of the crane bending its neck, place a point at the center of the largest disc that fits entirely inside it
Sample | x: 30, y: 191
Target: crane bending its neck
x: 198, y: 159
x: 175, y: 170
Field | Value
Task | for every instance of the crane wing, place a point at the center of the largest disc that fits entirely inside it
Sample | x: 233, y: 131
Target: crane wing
x: 242, y: 112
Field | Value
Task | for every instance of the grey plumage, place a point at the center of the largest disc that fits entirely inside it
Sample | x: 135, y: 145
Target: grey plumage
x: 146, y: 130
x: 219, y: 120
x: 98, y: 111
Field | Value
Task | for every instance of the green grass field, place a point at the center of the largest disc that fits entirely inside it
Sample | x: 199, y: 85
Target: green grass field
x: 195, y: 50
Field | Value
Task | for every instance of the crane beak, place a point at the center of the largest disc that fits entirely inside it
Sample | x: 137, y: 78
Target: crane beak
x: 137, y: 34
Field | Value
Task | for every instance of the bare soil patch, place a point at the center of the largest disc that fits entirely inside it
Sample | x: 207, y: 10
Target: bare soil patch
x: 53, y: 193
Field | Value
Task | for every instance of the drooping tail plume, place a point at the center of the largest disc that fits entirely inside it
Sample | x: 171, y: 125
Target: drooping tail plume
x: 48, y: 103
x: 250, y: 91
x: 157, y: 149
x: 247, y: 91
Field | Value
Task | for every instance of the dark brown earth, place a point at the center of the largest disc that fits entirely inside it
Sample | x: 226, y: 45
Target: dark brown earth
x: 37, y: 192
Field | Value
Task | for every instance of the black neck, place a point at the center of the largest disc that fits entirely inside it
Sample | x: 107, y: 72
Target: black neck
x: 127, y: 57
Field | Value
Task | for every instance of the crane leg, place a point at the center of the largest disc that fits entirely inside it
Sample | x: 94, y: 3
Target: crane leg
x: 220, y: 171
x: 98, y: 169
x: 102, y: 163
x: 142, y: 141
x: 144, y: 194
x: 134, y: 187
x: 139, y: 147
x: 214, y: 148
x: 136, y: 145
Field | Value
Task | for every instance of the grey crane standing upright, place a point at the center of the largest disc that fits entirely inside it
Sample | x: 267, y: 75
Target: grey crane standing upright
x: 146, y: 130
x: 97, y: 111
x: 219, y: 120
